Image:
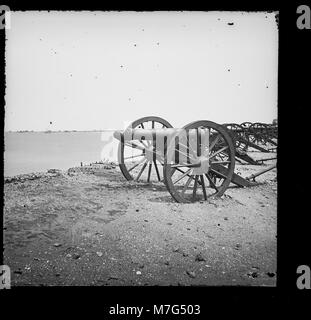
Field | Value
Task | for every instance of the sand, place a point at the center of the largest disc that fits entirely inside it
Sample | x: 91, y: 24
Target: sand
x: 89, y: 226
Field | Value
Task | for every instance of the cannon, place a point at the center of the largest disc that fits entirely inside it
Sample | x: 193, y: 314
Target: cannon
x: 197, y: 161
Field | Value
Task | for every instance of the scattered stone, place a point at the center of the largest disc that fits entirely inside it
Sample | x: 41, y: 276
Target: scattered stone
x: 167, y: 263
x: 137, y: 210
x: 75, y: 256
x: 225, y: 218
x: 57, y: 274
x: 57, y: 244
x: 169, y: 223
x: 252, y: 275
x: 68, y: 255
x: 199, y: 257
x: 99, y: 253
x: 54, y: 171
x: 191, y: 274
x: 238, y: 246
x: 146, y: 220
x: 141, y: 266
x: 138, y: 272
x: 176, y: 249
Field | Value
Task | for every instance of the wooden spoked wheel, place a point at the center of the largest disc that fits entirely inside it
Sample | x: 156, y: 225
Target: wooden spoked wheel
x: 258, y: 133
x: 187, y: 183
x: 132, y: 157
x: 238, y: 135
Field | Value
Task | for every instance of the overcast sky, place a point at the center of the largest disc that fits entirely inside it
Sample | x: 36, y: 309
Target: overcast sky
x: 97, y: 70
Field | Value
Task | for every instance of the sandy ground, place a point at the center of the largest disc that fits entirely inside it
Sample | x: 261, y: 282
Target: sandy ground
x: 89, y: 226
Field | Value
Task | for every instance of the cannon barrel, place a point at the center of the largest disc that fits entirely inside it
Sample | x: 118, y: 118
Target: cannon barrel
x: 152, y: 134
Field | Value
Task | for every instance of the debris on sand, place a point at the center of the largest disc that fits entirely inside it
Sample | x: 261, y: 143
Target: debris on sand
x: 191, y: 274
x: 199, y: 257
x: 57, y: 244
x: 252, y: 274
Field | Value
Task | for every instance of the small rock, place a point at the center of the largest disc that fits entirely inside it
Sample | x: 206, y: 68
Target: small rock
x: 176, y: 249
x: 68, y: 255
x: 75, y: 256
x: 167, y: 263
x: 138, y: 272
x: 253, y: 274
x: 99, y: 253
x: 137, y: 210
x: 238, y: 246
x: 191, y: 274
x: 57, y: 244
x: 146, y: 220
x: 199, y: 257
x: 225, y: 218
x: 141, y: 266
x: 57, y: 274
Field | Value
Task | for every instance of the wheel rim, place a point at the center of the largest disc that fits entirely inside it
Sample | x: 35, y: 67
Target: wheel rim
x: 185, y: 185
x: 133, y: 162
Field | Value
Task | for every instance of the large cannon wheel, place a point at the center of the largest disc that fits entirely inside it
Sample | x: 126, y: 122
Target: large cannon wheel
x: 182, y: 180
x: 132, y: 154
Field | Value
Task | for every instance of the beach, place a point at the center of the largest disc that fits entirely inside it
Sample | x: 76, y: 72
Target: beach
x: 89, y: 226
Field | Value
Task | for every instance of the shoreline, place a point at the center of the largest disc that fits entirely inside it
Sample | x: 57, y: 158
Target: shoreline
x: 49, y: 173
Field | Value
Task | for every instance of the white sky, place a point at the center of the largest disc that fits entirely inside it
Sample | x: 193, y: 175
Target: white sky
x: 65, y: 67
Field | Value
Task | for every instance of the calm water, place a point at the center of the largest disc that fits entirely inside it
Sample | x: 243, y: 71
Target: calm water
x: 37, y: 152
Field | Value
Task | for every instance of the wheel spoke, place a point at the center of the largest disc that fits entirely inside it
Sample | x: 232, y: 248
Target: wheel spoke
x: 195, y: 187
x: 157, y: 170
x: 149, y: 171
x: 134, y: 145
x: 211, y: 182
x: 136, y: 156
x: 218, y: 173
x: 203, y: 186
x: 186, y: 185
x: 182, y: 176
x: 137, y: 164
x: 214, y: 142
x: 218, y: 151
x: 141, y: 171
x: 223, y: 162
